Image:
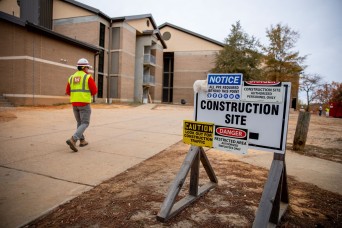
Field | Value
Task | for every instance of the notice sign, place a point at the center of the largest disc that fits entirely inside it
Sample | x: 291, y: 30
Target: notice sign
x: 268, y: 92
x: 231, y: 139
x: 224, y: 86
x: 198, y: 133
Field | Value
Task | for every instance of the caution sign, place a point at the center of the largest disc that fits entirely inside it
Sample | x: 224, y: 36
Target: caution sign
x: 266, y: 92
x: 198, y: 133
x: 224, y: 86
x: 231, y: 139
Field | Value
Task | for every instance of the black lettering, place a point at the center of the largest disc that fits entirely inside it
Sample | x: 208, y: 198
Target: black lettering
x: 228, y: 106
x: 209, y: 105
x: 260, y: 109
x: 255, y: 107
x: 236, y: 119
x: 243, y: 120
x: 216, y: 105
x: 222, y: 106
x: 203, y: 104
x: 241, y: 107
x: 248, y: 107
x: 267, y: 109
x: 227, y: 121
x: 234, y: 107
x: 275, y: 110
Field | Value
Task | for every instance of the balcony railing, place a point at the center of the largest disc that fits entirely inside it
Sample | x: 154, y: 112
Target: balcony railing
x: 149, y: 80
x: 149, y: 59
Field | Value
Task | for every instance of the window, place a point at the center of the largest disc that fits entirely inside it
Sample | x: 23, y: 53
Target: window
x: 100, y: 86
x: 101, y: 61
x: 168, y: 77
x: 102, y: 35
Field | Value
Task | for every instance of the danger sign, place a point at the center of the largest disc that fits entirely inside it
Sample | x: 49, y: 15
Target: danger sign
x: 231, y: 139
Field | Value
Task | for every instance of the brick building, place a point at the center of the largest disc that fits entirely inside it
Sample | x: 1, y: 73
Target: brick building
x: 133, y: 59
x: 128, y: 54
x: 188, y: 57
x: 35, y: 62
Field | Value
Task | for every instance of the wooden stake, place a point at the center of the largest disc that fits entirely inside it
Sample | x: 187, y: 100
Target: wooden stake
x: 274, y: 200
x: 302, y: 130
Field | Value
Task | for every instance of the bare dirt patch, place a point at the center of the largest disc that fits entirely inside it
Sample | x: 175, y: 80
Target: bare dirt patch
x: 133, y: 198
x: 324, y: 138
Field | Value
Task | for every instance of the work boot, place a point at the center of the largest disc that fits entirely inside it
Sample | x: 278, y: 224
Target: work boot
x: 72, y: 143
x: 83, y: 143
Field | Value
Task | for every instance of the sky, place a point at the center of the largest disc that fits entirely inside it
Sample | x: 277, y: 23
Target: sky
x: 319, y: 23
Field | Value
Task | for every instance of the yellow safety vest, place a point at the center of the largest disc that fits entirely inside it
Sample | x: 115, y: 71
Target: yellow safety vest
x: 79, y: 89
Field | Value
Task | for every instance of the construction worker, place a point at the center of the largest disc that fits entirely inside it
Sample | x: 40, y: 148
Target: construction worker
x: 327, y: 110
x: 81, y: 87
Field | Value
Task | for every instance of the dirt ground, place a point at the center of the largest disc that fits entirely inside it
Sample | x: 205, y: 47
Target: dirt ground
x: 133, y: 198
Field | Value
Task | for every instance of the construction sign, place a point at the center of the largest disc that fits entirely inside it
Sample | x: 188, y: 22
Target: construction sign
x: 224, y: 86
x: 231, y: 139
x: 265, y: 120
x: 255, y: 91
x: 198, y: 133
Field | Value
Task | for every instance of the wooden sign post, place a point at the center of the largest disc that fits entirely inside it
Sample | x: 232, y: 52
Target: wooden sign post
x: 275, y: 197
x: 192, y: 161
x: 231, y: 116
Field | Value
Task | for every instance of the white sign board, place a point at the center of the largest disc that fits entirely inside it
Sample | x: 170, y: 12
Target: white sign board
x: 266, y: 122
x: 271, y: 92
x: 224, y: 86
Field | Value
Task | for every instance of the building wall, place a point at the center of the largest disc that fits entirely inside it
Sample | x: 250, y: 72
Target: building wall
x: 142, y: 41
x: 156, y: 91
x: 34, y: 67
x: 181, y: 41
x: 193, y: 55
x: 83, y: 25
x: 141, y: 25
x: 10, y: 7
x: 193, y: 60
x: 63, y: 9
x: 86, y: 31
x: 126, y: 62
x: 189, y: 67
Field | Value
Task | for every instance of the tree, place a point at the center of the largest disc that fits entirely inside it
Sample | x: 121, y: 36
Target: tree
x: 329, y: 93
x: 239, y: 55
x: 310, y: 83
x: 323, y: 93
x: 336, y: 92
x: 282, y: 64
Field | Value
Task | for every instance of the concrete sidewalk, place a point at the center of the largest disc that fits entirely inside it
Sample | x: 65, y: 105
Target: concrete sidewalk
x: 38, y: 171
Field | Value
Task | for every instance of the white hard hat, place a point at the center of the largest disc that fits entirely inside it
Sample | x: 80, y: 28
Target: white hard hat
x: 83, y: 62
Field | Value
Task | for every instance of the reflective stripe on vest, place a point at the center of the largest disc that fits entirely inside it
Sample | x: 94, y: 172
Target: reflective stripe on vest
x: 79, y: 89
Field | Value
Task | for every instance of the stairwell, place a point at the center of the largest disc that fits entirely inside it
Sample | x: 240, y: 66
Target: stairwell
x: 4, y: 102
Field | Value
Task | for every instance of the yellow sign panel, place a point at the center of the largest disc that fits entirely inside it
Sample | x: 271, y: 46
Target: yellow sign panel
x: 198, y: 133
